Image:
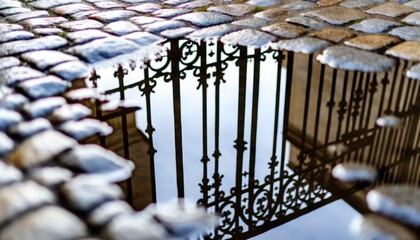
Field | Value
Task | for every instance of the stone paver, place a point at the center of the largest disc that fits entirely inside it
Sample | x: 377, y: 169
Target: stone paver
x: 349, y: 58
x: 391, y: 9
x: 8, y: 62
x: 248, y: 37
x: 46, y: 44
x: 7, y: 27
x: 357, y: 3
x: 372, y: 42
x: 213, y: 32
x: 113, y: 16
x: 27, y: 15
x: 164, y: 25
x: 406, y: 50
x: 336, y: 15
x: 406, y: 33
x: 43, y: 22
x: 333, y: 34
x: 307, y: 22
x: 177, y: 33
x: 103, y: 49
x: 233, y: 9
x: 13, y: 11
x: 300, y: 5
x: 374, y: 25
x: 73, y: 8
x: 146, y: 7
x: 273, y: 14
x: 15, y: 35
x: 48, y: 4
x: 285, y: 30
x: 121, y: 28
x: 14, y: 75
x: 413, y: 19
x: 46, y: 59
x: 81, y: 25
x: 48, y: 31
x: 205, y: 19
x: 307, y: 45
x: 85, y: 36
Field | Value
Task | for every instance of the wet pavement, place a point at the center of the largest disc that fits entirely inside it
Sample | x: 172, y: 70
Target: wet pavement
x: 48, y: 48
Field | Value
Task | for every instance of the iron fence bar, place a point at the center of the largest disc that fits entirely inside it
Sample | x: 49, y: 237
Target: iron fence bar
x: 240, y: 144
x: 289, y: 78
x: 146, y: 86
x: 342, y: 105
x: 119, y: 74
x: 330, y: 105
x: 377, y: 132
x: 254, y: 126
x: 400, y: 89
x: 360, y: 151
x: 395, y: 133
x: 202, y: 51
x: 176, y: 91
x: 273, y: 160
x: 302, y: 156
x: 394, y: 81
x: 350, y: 107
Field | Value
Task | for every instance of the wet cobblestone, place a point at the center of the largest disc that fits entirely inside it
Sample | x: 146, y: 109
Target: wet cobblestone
x: 47, y: 44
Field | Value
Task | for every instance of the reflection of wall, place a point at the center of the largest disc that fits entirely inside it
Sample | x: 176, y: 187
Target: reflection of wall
x: 347, y: 113
x: 138, y: 146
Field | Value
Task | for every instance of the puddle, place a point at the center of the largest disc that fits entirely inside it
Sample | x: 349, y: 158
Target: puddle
x: 248, y: 133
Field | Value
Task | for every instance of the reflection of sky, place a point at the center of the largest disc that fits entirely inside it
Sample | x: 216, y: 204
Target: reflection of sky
x: 329, y: 222
x: 335, y: 217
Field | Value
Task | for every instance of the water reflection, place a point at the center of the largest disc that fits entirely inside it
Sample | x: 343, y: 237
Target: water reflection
x: 283, y: 114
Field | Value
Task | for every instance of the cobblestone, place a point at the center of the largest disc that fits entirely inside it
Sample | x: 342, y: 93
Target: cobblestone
x: 372, y: 42
x: 12, y: 11
x: 391, y: 9
x: 233, y: 9
x: 205, y: 19
x: 406, y: 50
x: 102, y: 49
x: 248, y: 37
x: 14, y: 75
x: 406, y: 33
x: 413, y: 19
x: 374, y: 25
x: 27, y: 15
x: 285, y: 30
x: 42, y: 43
x: 121, y: 28
x: 213, y: 32
x: 35, y: 69
x: 85, y: 36
x: 307, y: 45
x: 81, y: 25
x: 113, y: 16
x: 8, y: 62
x: 72, y: 9
x: 336, y: 15
x: 15, y: 35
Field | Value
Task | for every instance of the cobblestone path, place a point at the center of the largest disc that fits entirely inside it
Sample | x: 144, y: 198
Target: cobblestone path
x: 47, y: 46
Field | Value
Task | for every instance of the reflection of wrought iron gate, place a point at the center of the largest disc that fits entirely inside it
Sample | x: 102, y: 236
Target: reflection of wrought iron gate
x: 337, y: 107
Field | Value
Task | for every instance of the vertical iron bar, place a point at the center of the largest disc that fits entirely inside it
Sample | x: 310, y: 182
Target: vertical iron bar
x: 203, y: 83
x: 151, y: 151
x: 124, y: 126
x: 176, y: 89
x: 240, y: 144
x: 289, y: 78
x: 254, y: 125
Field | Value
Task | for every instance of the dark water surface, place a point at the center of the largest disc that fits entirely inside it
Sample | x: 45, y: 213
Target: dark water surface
x: 248, y: 134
